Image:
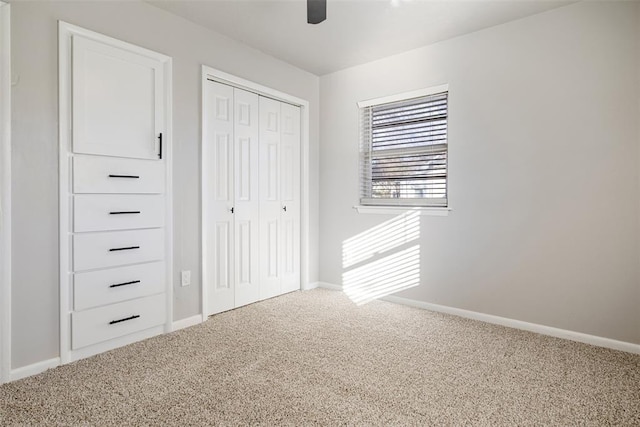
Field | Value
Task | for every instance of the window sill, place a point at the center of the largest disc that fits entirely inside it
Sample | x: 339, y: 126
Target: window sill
x: 391, y: 210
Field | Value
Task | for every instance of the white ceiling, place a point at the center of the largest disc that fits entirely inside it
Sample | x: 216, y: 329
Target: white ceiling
x: 355, y: 32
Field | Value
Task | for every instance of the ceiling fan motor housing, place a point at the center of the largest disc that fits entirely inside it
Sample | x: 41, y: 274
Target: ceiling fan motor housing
x: 316, y: 11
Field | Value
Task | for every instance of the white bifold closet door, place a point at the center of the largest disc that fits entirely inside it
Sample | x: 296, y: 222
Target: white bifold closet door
x: 252, y: 197
x: 279, y: 198
x: 246, y: 211
x: 231, y: 151
x: 290, y: 197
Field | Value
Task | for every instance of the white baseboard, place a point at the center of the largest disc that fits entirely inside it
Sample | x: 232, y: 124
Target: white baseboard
x: 310, y: 286
x: 331, y: 286
x: 34, y: 369
x: 511, y: 323
x: 189, y: 321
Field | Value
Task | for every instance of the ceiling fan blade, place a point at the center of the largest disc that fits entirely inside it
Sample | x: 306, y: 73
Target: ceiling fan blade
x: 316, y: 11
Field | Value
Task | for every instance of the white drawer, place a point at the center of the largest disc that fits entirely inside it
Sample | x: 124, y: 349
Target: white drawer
x: 116, y: 320
x: 95, y: 174
x: 97, y: 212
x: 102, y: 287
x: 110, y: 249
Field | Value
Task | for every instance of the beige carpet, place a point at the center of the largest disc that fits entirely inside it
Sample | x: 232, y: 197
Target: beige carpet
x: 314, y: 358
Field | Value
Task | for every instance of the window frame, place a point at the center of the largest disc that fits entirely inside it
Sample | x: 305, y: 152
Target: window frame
x: 427, y: 205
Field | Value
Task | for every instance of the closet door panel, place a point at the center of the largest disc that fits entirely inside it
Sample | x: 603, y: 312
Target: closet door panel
x: 290, y: 198
x: 246, y: 169
x: 222, y: 182
x: 218, y: 151
x: 270, y: 206
x: 290, y: 157
x: 247, y: 202
x: 290, y: 250
x: 244, y: 256
x: 222, y: 248
x: 270, y: 169
x: 270, y: 258
x: 269, y: 150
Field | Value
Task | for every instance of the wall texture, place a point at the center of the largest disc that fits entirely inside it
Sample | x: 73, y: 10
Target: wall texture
x: 35, y: 304
x: 544, y: 169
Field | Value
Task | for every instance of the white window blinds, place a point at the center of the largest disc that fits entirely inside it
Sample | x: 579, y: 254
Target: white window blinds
x: 403, y: 152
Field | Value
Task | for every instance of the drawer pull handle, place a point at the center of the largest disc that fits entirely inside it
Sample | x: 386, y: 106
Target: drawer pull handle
x: 124, y: 176
x: 124, y: 212
x: 124, y: 284
x: 113, y: 322
x: 124, y: 249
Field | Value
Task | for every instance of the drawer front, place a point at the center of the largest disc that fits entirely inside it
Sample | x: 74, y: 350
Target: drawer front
x: 102, y: 287
x: 117, y: 175
x: 111, y: 249
x: 104, y: 323
x: 99, y: 212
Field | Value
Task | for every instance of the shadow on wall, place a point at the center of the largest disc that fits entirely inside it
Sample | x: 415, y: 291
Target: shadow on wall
x: 382, y: 260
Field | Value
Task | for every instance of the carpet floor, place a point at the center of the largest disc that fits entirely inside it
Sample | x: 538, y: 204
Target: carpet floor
x: 314, y: 358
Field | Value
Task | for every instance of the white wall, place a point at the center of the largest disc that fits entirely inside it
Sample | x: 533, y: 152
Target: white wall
x: 544, y: 169
x: 35, y: 146
x: 5, y: 188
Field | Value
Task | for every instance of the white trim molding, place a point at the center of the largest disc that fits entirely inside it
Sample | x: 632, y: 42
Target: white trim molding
x: 510, y: 323
x: 5, y: 192
x: 188, y: 322
x: 519, y: 324
x: 405, y: 95
x: 34, y: 369
x: 66, y: 32
x: 329, y: 286
x: 240, y: 83
x: 395, y: 210
x: 311, y: 286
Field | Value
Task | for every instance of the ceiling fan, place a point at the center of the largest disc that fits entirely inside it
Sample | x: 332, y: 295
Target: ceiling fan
x: 316, y: 11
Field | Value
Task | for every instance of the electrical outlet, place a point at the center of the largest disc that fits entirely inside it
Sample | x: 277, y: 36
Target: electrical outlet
x: 185, y: 277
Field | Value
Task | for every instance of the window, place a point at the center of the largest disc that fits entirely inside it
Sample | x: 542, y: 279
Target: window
x: 403, y: 149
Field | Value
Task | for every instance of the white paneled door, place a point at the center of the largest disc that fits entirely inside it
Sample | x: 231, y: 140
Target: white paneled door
x: 219, y: 200
x: 270, y: 206
x: 247, y: 208
x: 251, y: 187
x: 231, y: 199
x: 290, y: 198
x: 279, y: 198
